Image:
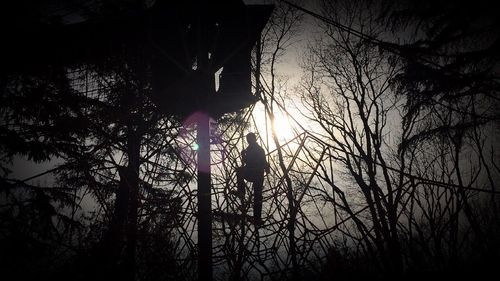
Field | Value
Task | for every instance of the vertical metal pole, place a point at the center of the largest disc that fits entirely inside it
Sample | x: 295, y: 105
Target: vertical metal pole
x: 204, y: 202
x: 205, y: 270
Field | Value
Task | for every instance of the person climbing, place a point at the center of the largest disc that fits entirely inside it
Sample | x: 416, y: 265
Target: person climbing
x: 254, y: 165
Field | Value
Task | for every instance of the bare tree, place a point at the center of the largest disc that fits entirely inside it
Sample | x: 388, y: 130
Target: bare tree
x: 349, y: 95
x: 408, y: 166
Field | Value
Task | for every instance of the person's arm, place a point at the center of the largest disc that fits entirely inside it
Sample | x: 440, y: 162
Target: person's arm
x: 267, y: 167
x: 243, y: 157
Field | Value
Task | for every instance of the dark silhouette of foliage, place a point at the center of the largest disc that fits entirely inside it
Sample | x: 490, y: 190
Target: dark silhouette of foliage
x: 451, y: 53
x: 99, y: 121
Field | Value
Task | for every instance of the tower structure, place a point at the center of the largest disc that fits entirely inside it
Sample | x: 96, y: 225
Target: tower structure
x: 181, y: 45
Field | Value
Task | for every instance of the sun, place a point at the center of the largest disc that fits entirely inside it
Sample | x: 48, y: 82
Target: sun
x: 283, y: 125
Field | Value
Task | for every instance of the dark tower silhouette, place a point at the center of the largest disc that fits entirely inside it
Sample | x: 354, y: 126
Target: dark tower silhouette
x: 219, y: 35
x: 182, y: 43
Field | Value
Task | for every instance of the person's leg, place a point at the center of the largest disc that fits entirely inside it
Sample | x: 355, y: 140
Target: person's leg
x: 240, y: 178
x: 257, y: 201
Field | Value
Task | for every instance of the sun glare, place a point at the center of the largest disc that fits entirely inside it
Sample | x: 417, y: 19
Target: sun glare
x: 283, y: 128
x: 282, y: 124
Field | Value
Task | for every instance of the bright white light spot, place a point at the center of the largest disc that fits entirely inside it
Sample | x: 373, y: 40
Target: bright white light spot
x: 195, y: 146
x: 283, y: 127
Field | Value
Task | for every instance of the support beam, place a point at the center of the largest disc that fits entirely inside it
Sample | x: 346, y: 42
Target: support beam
x: 206, y: 89
x: 204, y: 201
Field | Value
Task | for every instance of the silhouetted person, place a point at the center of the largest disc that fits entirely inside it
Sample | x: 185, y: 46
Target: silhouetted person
x: 254, y: 165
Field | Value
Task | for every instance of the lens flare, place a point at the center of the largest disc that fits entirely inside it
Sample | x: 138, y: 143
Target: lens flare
x: 195, y: 146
